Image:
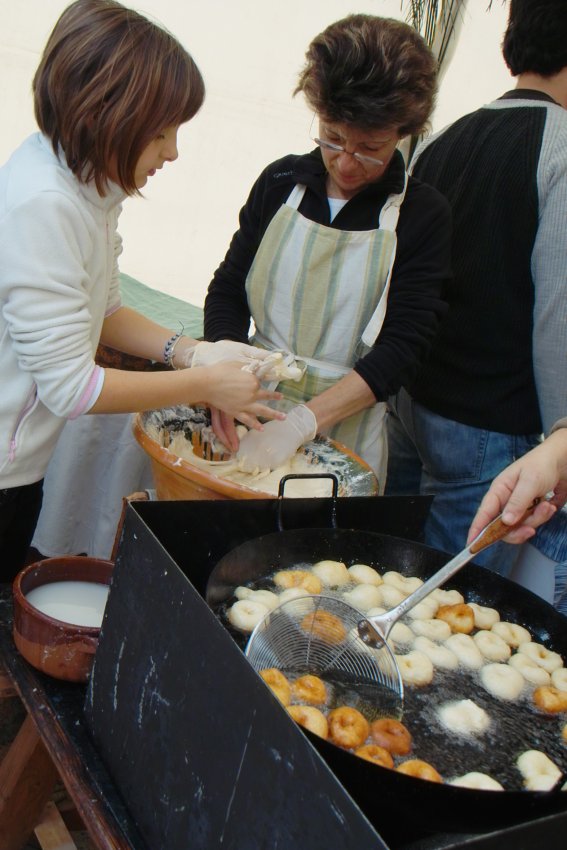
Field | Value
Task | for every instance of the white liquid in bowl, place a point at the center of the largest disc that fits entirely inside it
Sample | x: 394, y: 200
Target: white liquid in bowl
x: 80, y: 603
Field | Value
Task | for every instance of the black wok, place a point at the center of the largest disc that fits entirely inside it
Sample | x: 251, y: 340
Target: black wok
x: 387, y: 797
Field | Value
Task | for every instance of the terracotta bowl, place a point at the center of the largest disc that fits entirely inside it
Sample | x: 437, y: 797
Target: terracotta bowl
x: 176, y: 478
x: 62, y: 650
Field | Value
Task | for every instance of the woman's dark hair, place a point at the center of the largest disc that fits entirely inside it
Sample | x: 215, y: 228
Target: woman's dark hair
x: 109, y: 82
x: 536, y: 37
x: 372, y: 73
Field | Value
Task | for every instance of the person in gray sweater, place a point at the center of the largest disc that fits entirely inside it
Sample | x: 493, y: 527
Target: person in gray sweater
x: 496, y: 377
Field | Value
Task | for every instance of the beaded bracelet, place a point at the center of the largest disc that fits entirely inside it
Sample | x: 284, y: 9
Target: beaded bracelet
x: 169, y: 349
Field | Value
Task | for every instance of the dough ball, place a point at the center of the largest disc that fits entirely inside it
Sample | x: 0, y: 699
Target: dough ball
x: 447, y: 597
x: 532, y: 672
x: 325, y: 626
x: 433, y: 629
x: 459, y: 617
x: 363, y: 574
x: 392, y: 735
x: 298, y: 578
x: 424, y: 610
x: 375, y: 754
x: 391, y: 596
x: 266, y: 597
x: 484, y: 618
x: 463, y: 717
x: 310, y: 689
x: 348, y: 728
x: 492, y: 646
x: 538, y: 771
x: 538, y: 653
x: 513, y: 634
x: 502, y: 681
x: 416, y: 668
x: 332, y: 573
x: 550, y: 699
x: 364, y: 596
x: 310, y: 718
x: 466, y: 650
x: 291, y: 593
x: 277, y: 683
x: 407, y: 584
x: 420, y: 769
x: 246, y: 614
x: 479, y: 781
x: 440, y: 656
x: 559, y: 679
x: 401, y: 634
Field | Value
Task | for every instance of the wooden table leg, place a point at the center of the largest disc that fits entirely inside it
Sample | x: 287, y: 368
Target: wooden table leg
x: 51, y: 832
x: 27, y: 779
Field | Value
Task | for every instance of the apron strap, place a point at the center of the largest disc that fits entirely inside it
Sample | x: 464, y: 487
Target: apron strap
x: 296, y: 196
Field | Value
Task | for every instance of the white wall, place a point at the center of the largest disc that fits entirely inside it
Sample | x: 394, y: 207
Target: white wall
x: 250, y: 52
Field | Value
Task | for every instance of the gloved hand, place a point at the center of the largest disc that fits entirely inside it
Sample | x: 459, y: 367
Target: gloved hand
x: 278, y: 442
x: 210, y: 353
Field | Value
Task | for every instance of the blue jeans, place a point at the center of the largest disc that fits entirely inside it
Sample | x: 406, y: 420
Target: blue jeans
x: 431, y: 455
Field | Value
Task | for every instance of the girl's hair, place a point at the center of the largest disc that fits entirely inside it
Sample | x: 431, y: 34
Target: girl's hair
x: 372, y: 73
x: 108, y: 83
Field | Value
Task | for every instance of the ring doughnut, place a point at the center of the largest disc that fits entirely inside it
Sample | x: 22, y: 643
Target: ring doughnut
x: 266, y: 597
x: 463, y: 717
x: 332, y: 573
x: 277, y: 683
x: 291, y: 593
x: 348, y: 728
x: 407, y: 584
x: 546, y: 658
x: 466, y: 650
x: 532, y: 672
x: 401, y: 634
x: 310, y: 718
x: 364, y: 596
x: 424, y: 610
x: 492, y: 647
x: 447, y: 597
x: 484, y: 618
x: 375, y: 754
x: 420, y: 769
x: 310, y: 689
x: 559, y: 679
x: 480, y: 781
x: 539, y: 772
x: 459, y: 617
x: 392, y: 735
x: 512, y: 633
x: 324, y: 625
x: 433, y: 629
x: 363, y: 574
x: 391, y: 596
x: 441, y: 656
x: 416, y: 668
x: 550, y: 699
x: 298, y: 578
x: 246, y: 614
x: 502, y: 681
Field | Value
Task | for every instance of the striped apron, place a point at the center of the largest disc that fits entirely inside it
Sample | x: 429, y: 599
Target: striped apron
x: 321, y: 294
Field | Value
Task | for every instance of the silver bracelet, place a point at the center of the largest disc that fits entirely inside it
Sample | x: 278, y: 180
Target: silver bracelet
x: 169, y: 349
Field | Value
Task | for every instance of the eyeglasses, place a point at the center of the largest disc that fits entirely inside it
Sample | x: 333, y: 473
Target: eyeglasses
x: 362, y: 158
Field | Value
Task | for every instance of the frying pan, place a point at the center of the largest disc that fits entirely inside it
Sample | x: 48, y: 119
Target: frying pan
x: 384, y: 795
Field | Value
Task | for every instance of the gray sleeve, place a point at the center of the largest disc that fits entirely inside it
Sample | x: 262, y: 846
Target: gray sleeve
x: 549, y: 271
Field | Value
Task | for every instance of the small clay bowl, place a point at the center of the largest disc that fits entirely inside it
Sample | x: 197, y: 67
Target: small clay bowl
x: 62, y: 650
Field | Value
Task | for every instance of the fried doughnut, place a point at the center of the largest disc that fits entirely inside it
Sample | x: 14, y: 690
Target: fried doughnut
x: 416, y: 668
x: 298, y: 578
x: 364, y: 596
x: 484, y: 618
x: 463, y: 717
x: 424, y: 610
x: 266, y: 597
x: 550, y: 699
x: 433, y: 629
x: 375, y: 754
x: 332, y: 573
x: 512, y: 633
x: 492, y: 647
x: 420, y: 769
x: 447, y: 597
x: 324, y: 625
x: 348, y: 728
x: 277, y: 683
x: 310, y: 689
x: 441, y: 656
x: 407, y: 584
x: 466, y: 650
x: 559, y: 679
x: 392, y: 735
x: 547, y: 659
x: 363, y: 574
x: 291, y: 593
x: 532, y: 672
x: 246, y: 614
x: 310, y: 718
x: 482, y: 781
x: 539, y: 772
x: 391, y: 596
x: 459, y: 617
x: 502, y: 681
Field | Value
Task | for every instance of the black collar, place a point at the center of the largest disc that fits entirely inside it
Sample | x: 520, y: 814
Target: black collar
x: 310, y: 170
x: 528, y: 94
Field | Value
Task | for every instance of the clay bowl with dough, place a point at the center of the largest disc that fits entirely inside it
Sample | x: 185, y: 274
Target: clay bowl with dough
x: 437, y: 807
x: 60, y: 649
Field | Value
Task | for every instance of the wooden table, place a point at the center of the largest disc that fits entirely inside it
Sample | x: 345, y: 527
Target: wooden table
x: 53, y: 744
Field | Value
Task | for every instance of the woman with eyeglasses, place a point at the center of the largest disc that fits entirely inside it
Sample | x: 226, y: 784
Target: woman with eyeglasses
x: 340, y: 257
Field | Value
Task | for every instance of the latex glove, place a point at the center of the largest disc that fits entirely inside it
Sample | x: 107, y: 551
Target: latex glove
x: 210, y: 353
x: 277, y: 442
